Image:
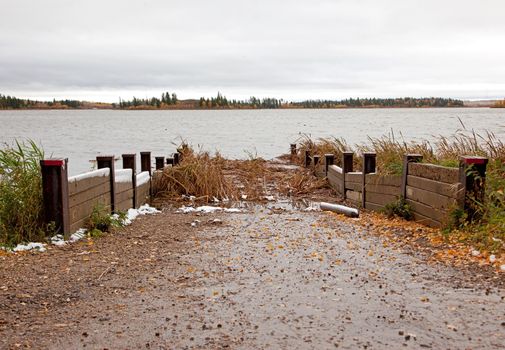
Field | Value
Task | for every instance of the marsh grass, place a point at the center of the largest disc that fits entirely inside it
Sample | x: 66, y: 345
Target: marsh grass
x: 21, y: 204
x: 199, y: 174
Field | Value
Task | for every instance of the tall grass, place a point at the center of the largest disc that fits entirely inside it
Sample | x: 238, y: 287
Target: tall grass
x: 199, y: 174
x: 21, y: 204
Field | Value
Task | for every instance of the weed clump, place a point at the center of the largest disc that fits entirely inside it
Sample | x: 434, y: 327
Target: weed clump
x: 21, y: 202
x: 102, y: 221
x: 198, y: 174
x: 400, y: 209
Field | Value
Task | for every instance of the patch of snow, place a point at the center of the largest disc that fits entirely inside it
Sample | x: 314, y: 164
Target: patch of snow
x: 206, y: 209
x: 492, y: 258
x: 269, y: 198
x: 502, y: 267
x: 78, y: 235
x: 232, y: 210
x: 96, y: 173
x: 41, y: 247
x: 244, y: 196
x: 475, y: 253
x: 313, y: 207
x: 123, y: 175
x: 132, y: 214
x: 143, y: 178
x: 58, y: 240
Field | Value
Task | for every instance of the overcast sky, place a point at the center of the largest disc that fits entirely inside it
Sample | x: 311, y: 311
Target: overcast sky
x: 103, y: 49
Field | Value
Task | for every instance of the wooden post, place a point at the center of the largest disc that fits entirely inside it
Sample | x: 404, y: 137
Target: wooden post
x: 472, y: 173
x: 293, y: 149
x: 108, y: 162
x: 347, y: 167
x: 145, y: 162
x: 130, y: 162
x: 329, y: 160
x: 408, y: 158
x: 316, y: 160
x: 170, y: 161
x: 160, y: 162
x: 176, y: 158
x: 55, y: 194
x: 307, y: 158
x: 369, y: 166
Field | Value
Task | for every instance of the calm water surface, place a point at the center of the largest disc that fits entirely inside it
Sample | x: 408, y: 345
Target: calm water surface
x: 81, y: 135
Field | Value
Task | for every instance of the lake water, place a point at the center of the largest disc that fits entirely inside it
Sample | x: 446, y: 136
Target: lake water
x: 80, y: 135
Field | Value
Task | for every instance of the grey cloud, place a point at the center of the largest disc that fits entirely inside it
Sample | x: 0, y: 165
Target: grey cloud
x: 330, y: 49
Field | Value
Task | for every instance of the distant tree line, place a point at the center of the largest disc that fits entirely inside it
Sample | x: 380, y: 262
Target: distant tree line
x: 170, y: 100
x: 381, y: 102
x: 166, y: 99
x: 10, y: 102
x: 221, y: 101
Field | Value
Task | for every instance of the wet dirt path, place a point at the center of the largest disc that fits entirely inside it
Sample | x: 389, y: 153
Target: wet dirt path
x: 265, y: 279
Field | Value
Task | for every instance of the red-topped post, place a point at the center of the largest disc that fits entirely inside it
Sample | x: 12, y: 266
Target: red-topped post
x: 55, y: 193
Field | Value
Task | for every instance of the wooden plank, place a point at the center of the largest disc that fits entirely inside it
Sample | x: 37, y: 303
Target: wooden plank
x: 379, y: 198
x: 373, y: 206
x: 335, y: 169
x: 123, y: 186
x: 354, y: 186
x: 85, y: 209
x: 353, y: 196
x: 124, y: 205
x: 124, y: 196
x: 78, y: 224
x: 426, y: 220
x: 434, y: 172
x: 427, y: 211
x: 75, y: 187
x: 442, y: 188
x: 335, y: 183
x: 394, y: 190
x: 91, y: 193
x: 142, y: 194
x: 431, y: 199
x: 386, y: 180
x: 354, y: 177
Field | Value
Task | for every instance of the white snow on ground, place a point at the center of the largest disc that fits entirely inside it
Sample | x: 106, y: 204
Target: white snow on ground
x: 41, y: 247
x: 96, y: 173
x: 143, y: 178
x: 313, y: 207
x: 59, y: 240
x: 207, y: 209
x: 123, y: 175
x: 132, y: 214
x: 269, y: 198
